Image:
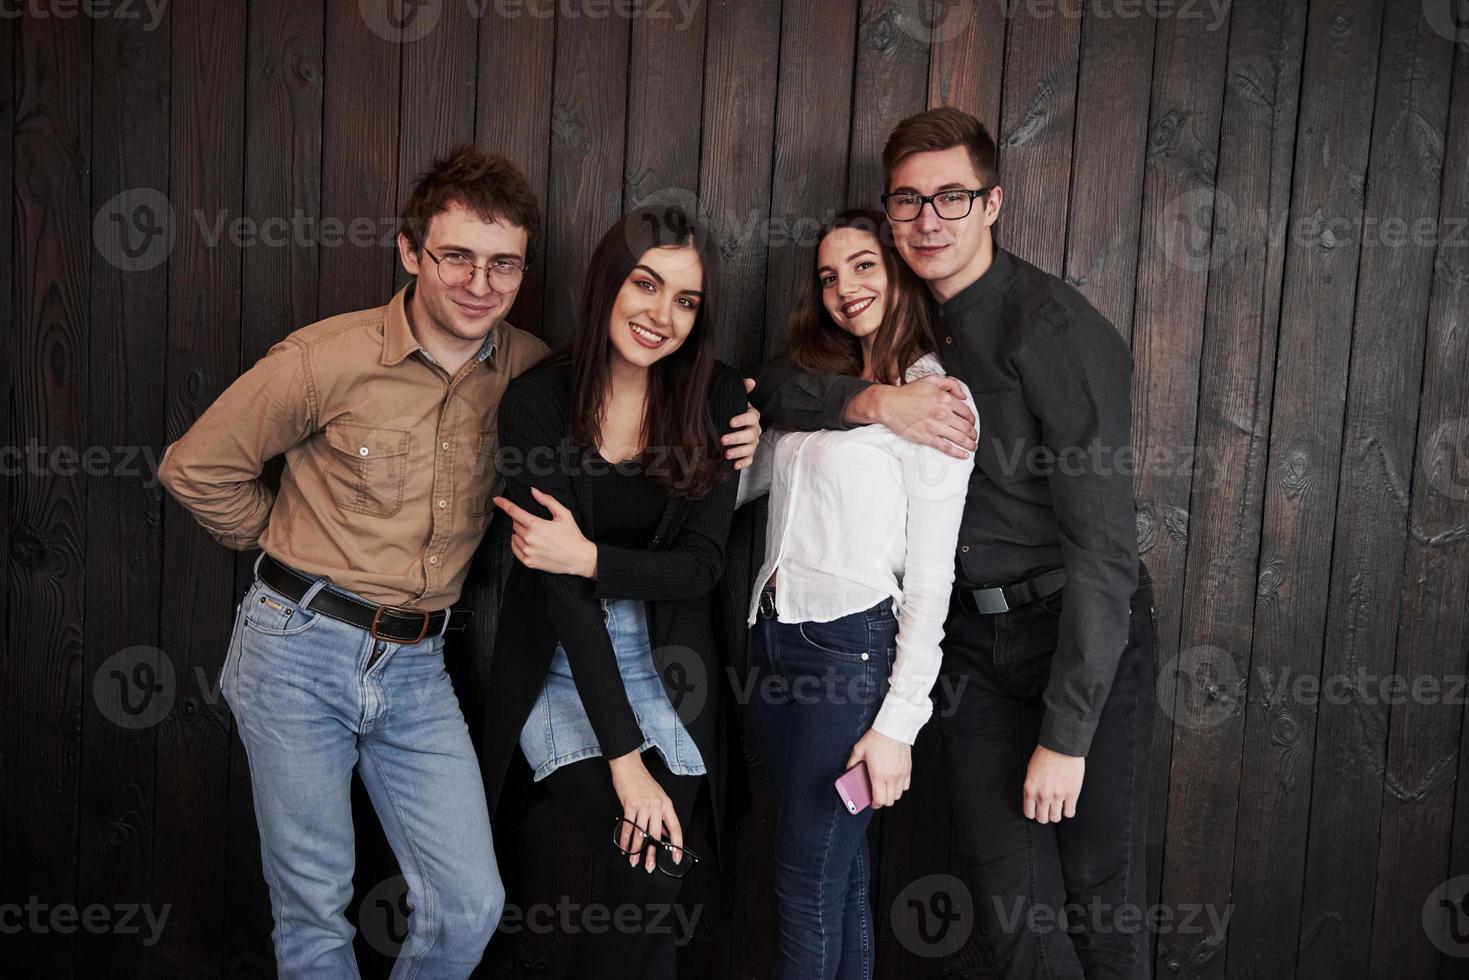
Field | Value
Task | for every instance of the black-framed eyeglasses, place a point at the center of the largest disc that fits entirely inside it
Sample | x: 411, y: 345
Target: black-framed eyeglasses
x: 456, y: 270
x: 672, y: 861
x: 950, y: 205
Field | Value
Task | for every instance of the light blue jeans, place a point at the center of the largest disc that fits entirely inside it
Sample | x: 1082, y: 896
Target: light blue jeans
x: 313, y: 699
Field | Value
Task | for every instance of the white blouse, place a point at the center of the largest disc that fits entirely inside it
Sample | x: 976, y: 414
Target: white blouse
x: 860, y: 515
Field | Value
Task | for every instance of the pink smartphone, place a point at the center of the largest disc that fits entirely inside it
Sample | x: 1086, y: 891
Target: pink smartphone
x: 855, y: 788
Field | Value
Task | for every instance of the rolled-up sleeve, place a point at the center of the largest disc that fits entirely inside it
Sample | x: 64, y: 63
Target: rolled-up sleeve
x: 214, y: 469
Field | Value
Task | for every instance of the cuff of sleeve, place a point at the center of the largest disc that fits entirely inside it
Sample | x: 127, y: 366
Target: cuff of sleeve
x: 612, y: 573
x: 1067, y: 736
x: 901, y: 720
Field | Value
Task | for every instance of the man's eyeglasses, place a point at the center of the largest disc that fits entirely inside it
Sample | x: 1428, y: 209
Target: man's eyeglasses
x: 456, y: 270
x: 950, y: 205
x: 672, y: 861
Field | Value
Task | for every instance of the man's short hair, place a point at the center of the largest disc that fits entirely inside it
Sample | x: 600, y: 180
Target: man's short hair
x: 940, y: 129
x: 485, y: 183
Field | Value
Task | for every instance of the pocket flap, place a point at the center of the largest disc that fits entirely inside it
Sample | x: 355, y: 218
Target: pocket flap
x: 367, y: 442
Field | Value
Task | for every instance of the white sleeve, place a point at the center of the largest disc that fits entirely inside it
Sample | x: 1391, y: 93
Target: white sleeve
x: 937, y: 485
x: 755, y: 478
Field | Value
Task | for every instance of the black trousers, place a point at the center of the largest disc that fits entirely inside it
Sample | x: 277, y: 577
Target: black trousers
x: 638, y: 928
x: 1062, y: 900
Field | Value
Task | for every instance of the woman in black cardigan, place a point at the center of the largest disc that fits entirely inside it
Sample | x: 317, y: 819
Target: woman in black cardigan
x: 605, y: 676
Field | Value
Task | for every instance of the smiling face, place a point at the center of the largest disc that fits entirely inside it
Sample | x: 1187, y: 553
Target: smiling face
x: 853, y: 280
x: 656, y: 308
x: 947, y: 254
x: 464, y: 313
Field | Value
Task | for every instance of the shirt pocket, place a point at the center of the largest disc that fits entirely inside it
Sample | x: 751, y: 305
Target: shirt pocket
x: 484, y: 478
x: 368, y: 468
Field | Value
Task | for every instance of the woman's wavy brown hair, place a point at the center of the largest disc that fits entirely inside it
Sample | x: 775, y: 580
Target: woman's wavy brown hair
x: 682, y: 454
x: 819, y: 346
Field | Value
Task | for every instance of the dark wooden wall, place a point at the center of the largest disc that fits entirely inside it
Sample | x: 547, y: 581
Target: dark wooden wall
x: 1222, y: 183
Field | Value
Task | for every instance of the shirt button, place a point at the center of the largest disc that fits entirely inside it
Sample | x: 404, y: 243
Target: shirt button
x: 362, y: 451
x: 443, y: 503
x: 948, y: 340
x: 446, y: 445
x: 433, y: 559
x: 964, y: 548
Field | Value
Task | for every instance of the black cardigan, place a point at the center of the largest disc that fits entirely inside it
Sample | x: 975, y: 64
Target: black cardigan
x: 674, y: 574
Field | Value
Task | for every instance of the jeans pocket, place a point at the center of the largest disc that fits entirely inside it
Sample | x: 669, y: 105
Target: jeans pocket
x: 845, y: 637
x: 267, y: 611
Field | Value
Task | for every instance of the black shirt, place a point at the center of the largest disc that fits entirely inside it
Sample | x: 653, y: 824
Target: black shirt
x: 1052, y: 482
x: 626, y: 505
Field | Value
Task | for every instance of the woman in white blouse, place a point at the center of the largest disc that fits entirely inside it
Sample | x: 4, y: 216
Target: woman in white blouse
x: 849, y: 606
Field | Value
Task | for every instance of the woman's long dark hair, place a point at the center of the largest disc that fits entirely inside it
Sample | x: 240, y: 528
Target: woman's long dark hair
x: 681, y: 450
x: 818, y: 345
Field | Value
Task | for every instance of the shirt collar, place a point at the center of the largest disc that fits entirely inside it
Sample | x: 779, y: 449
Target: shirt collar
x: 398, y: 339
x: 982, y: 289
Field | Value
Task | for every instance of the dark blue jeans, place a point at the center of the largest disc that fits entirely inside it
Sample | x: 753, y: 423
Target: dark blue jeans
x: 818, y: 689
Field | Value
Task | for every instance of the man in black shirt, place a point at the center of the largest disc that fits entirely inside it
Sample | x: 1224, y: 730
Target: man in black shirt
x: 1050, y: 638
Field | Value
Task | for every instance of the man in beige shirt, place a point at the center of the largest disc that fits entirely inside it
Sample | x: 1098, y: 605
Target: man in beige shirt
x: 387, y: 421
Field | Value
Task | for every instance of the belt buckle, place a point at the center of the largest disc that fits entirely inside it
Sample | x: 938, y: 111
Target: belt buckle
x: 377, y: 618
x: 767, y: 603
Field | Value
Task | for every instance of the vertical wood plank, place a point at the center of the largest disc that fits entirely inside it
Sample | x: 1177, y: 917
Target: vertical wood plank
x: 1107, y: 164
x: 1418, y: 851
x: 45, y: 686
x: 1168, y: 319
x: 891, y: 83
x: 1037, y: 119
x: 966, y: 55
x: 129, y: 309
x: 812, y: 135
x: 513, y: 118
x: 206, y: 140
x: 1315, y: 343
x: 588, y: 125
x: 1395, y: 279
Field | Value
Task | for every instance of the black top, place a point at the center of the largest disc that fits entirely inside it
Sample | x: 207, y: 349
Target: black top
x: 626, y: 505
x: 1052, y: 481
x: 673, y: 568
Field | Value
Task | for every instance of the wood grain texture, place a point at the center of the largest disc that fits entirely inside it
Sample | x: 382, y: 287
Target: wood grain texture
x: 1242, y: 190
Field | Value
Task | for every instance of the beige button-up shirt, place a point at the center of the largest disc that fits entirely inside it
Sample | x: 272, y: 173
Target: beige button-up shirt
x: 389, y: 461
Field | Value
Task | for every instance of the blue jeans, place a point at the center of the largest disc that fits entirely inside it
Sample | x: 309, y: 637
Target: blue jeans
x: 313, y: 699
x: 818, y: 688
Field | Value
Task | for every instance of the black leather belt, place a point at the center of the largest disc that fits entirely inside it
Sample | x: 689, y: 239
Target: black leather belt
x: 1003, y: 598
x: 397, y: 624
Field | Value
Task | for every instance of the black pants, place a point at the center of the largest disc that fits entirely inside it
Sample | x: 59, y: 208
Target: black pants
x: 1062, y: 900
x: 613, y: 951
